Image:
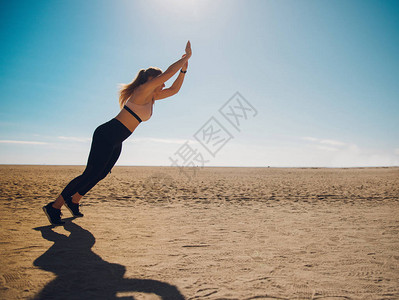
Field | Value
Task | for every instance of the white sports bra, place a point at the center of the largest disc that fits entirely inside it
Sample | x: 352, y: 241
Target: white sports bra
x: 143, y: 111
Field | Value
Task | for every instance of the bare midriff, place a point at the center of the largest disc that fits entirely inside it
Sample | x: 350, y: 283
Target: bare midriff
x: 127, y: 119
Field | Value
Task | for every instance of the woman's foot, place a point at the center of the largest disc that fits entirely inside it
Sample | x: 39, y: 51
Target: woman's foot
x: 53, y: 214
x: 73, y: 207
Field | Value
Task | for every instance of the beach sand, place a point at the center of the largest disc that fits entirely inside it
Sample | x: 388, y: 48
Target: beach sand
x: 224, y: 233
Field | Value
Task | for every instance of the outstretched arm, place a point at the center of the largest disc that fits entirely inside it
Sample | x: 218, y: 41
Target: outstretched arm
x: 165, y: 76
x: 174, y: 89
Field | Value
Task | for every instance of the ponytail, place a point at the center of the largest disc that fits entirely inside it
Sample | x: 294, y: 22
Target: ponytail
x: 126, y: 90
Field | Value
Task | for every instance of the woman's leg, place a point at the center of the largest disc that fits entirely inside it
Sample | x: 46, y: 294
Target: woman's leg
x: 77, y: 182
x: 114, y: 133
x: 85, y: 182
x: 59, y: 202
x: 84, y: 189
x: 100, y: 153
x: 105, y: 150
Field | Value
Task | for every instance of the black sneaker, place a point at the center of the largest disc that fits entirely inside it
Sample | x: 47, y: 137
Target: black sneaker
x: 73, y: 207
x: 53, y: 214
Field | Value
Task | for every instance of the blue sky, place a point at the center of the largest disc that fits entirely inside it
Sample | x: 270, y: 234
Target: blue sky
x: 322, y: 76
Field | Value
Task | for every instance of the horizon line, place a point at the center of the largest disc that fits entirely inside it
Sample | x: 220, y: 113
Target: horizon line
x: 158, y: 166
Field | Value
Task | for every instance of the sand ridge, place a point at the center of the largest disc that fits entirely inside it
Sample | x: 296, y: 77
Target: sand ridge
x: 228, y: 233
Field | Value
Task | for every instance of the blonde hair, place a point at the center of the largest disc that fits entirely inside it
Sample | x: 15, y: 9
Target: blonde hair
x: 126, y: 90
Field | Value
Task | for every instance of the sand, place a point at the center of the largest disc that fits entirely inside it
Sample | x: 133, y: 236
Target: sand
x: 225, y: 233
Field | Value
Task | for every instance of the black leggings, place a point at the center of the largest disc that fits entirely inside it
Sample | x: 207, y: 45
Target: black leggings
x: 105, y: 150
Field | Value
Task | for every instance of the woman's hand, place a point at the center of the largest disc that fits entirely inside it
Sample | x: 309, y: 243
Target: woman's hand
x: 184, y: 68
x: 181, y: 64
x: 188, y: 50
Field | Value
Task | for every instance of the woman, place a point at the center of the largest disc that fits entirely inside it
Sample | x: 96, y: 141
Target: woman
x: 136, y: 100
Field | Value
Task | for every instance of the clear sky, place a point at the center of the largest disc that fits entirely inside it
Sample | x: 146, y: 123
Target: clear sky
x: 321, y: 75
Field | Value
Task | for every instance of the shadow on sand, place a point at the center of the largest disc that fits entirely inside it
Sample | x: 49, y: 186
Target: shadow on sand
x: 82, y: 274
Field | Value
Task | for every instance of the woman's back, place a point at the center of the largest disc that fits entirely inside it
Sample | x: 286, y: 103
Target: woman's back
x: 144, y: 111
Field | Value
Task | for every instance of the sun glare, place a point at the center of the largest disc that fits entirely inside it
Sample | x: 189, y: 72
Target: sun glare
x: 186, y: 9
